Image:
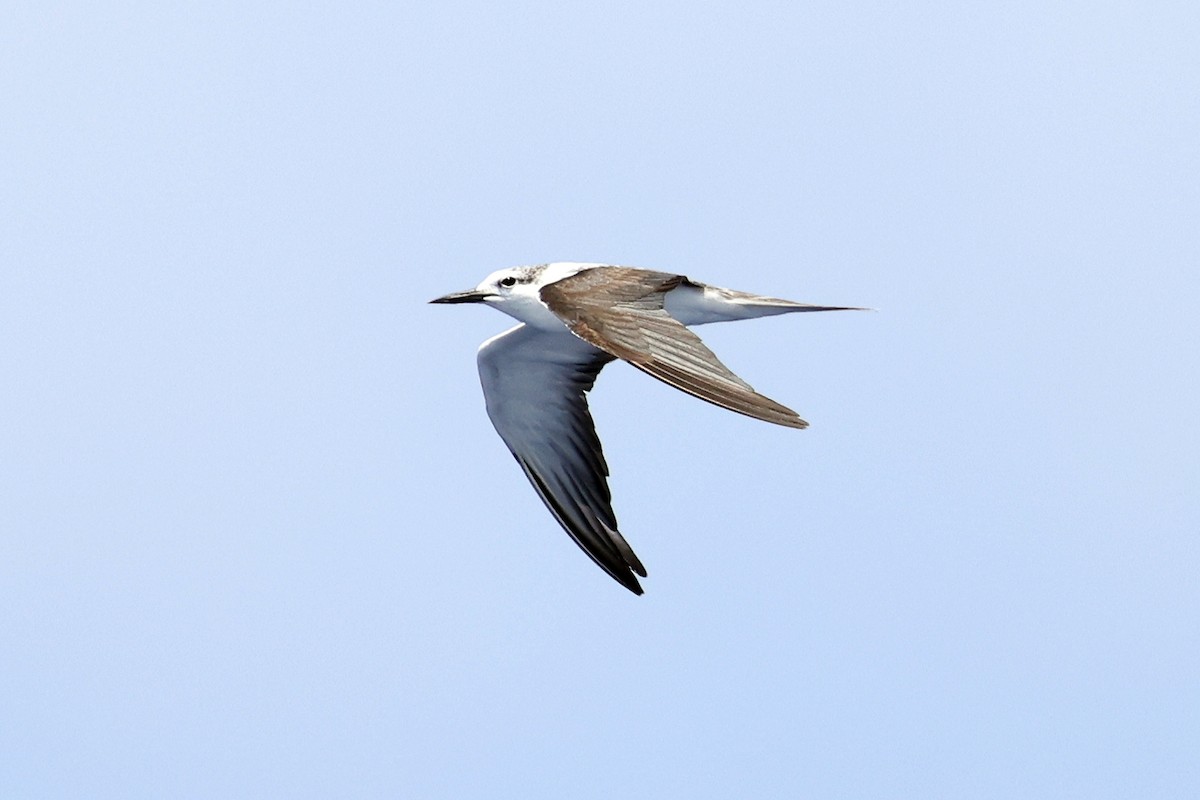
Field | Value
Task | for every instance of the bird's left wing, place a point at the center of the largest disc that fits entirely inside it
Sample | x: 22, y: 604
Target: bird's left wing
x: 535, y: 384
x: 621, y: 311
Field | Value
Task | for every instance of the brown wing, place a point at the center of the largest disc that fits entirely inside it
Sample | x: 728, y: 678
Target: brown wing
x: 620, y: 310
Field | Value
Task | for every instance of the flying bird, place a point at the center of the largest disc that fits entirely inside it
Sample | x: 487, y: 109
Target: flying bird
x: 575, y: 318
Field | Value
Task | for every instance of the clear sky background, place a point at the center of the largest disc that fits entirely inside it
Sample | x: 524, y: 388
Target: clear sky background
x: 258, y: 539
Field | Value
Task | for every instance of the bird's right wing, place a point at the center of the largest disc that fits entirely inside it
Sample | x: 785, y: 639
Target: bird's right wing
x: 620, y: 310
x: 534, y: 383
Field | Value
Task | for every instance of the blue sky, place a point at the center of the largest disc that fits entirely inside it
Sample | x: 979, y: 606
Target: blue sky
x: 260, y: 540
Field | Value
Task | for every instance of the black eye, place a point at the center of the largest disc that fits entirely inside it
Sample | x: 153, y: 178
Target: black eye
x: 509, y: 281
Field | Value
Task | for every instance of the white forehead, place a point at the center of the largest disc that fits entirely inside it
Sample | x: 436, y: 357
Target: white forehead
x: 520, y: 273
x: 538, y: 274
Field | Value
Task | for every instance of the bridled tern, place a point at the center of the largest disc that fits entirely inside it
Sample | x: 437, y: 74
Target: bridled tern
x: 575, y: 318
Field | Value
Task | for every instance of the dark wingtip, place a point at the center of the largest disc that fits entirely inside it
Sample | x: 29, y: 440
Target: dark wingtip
x: 627, y: 580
